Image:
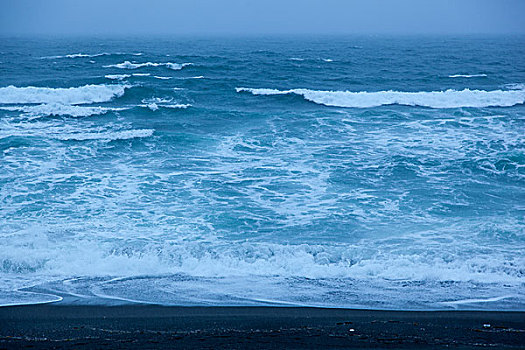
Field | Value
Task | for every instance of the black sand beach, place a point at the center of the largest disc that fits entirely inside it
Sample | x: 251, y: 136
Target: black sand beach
x: 157, y: 327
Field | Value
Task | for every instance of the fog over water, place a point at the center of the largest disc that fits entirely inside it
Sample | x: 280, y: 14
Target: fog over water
x: 138, y: 17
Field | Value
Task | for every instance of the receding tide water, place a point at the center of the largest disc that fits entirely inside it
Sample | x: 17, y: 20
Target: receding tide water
x: 367, y: 172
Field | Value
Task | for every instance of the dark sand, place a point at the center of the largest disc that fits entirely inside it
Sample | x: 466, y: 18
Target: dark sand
x: 154, y: 327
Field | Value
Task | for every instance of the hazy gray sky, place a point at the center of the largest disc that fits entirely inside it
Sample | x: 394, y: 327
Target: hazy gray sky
x: 118, y: 17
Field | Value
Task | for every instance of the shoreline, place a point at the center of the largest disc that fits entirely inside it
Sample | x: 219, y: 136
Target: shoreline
x: 150, y: 326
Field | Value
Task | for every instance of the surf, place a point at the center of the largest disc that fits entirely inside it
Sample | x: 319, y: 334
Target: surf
x: 432, y: 99
x: 86, y: 94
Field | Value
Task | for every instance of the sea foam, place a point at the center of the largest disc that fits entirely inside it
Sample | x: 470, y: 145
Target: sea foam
x: 467, y: 76
x: 73, y: 95
x: 84, y: 55
x: 130, y: 65
x: 57, y: 109
x: 107, y: 136
x: 432, y: 99
x: 78, y: 55
x: 117, y: 76
x: 154, y: 106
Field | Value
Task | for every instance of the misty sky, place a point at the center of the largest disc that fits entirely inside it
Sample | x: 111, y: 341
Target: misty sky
x: 138, y: 17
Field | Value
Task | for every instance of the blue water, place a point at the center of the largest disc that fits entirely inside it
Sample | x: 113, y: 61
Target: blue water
x: 369, y: 172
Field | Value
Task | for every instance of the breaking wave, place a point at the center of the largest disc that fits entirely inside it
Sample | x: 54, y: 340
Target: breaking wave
x: 117, y: 76
x: 84, y: 55
x: 244, y: 259
x: 130, y: 65
x: 155, y: 106
x: 467, y: 76
x: 73, y: 95
x: 155, y: 103
x: 432, y: 99
x: 195, y: 77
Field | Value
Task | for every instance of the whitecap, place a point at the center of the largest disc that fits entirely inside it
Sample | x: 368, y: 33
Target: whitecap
x: 467, y: 76
x: 73, y: 95
x: 130, y: 65
x: 195, y: 77
x: 182, y: 106
x: 157, y: 100
x: 85, y: 55
x: 432, y: 99
x: 77, y: 55
x: 177, y: 66
x: 117, y: 76
x: 155, y: 106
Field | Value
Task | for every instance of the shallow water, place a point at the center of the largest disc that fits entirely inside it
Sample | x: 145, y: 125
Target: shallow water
x: 367, y: 172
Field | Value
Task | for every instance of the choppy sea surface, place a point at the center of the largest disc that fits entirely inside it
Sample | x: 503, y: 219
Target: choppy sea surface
x: 366, y: 172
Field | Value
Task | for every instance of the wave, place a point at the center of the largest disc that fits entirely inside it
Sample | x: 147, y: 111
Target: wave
x: 180, y: 78
x: 196, y: 77
x: 299, y: 59
x: 77, y: 55
x: 177, y: 66
x: 456, y: 303
x: 162, y: 78
x: 117, y: 76
x: 264, y: 259
x: 57, y: 109
x: 125, y: 76
x: 106, y: 136
x: 178, y: 105
x: 467, y: 76
x: 155, y: 103
x: 74, y: 95
x: 157, y: 100
x: 514, y: 86
x: 432, y: 99
x: 85, y: 55
x: 154, y: 106
x: 130, y: 65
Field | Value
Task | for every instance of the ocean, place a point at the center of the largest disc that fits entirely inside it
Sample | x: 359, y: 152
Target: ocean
x: 358, y: 172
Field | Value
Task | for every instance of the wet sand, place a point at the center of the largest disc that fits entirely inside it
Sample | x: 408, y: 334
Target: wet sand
x: 155, y: 327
